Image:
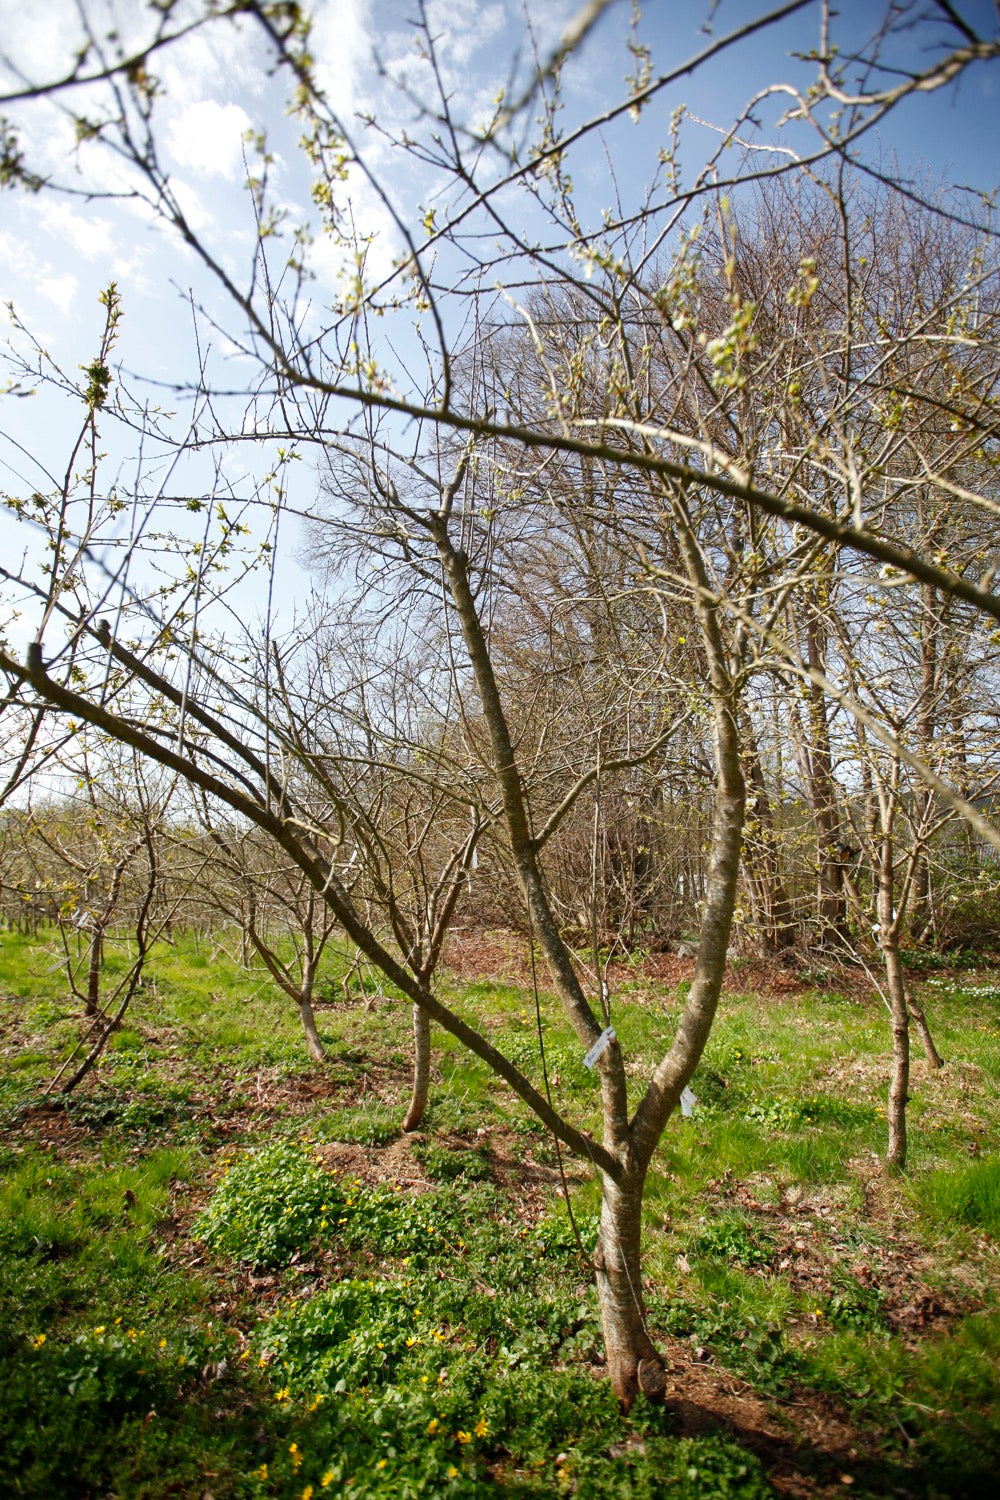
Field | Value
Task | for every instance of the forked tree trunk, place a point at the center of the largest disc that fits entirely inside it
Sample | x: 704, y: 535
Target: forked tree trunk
x: 421, y: 1068
x: 634, y: 1365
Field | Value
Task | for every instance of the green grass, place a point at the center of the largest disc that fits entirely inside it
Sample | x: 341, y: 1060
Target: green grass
x: 191, y: 1298
x: 968, y: 1195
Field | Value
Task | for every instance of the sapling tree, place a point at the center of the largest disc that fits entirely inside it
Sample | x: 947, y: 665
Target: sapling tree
x: 102, y: 850
x: 279, y: 916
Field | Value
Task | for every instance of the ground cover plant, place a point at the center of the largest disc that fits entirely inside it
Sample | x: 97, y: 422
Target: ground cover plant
x: 224, y: 1269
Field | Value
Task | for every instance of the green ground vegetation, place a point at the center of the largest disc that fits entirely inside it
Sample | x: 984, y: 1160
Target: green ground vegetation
x: 224, y: 1271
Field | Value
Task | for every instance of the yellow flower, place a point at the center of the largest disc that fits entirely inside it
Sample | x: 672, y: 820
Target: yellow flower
x: 38, y: 1340
x: 307, y: 1492
x: 463, y: 1437
x: 481, y: 1428
x: 296, y: 1455
x: 314, y: 1403
x: 380, y: 1464
x: 432, y: 1425
x: 410, y: 1342
x: 452, y: 1472
x: 163, y: 1343
x: 261, y: 1473
x: 327, y: 1479
x: 283, y: 1394
x: 100, y: 1329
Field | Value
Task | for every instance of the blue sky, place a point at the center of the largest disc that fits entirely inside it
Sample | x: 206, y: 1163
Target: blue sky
x: 57, y: 251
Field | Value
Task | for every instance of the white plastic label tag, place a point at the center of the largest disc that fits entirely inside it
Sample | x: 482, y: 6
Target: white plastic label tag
x: 688, y: 1102
x: 604, y: 1041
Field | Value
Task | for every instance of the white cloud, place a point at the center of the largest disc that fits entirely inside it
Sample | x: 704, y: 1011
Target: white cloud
x: 37, y: 47
x: 88, y: 234
x: 191, y: 206
x: 208, y: 137
x: 228, y: 58
x: 342, y: 42
x: 462, y: 27
x: 61, y: 290
x: 14, y: 252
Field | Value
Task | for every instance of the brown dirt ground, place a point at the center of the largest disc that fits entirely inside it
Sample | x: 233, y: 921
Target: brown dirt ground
x: 503, y: 957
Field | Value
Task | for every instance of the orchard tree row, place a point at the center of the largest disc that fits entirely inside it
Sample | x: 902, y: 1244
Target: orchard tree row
x: 652, y: 552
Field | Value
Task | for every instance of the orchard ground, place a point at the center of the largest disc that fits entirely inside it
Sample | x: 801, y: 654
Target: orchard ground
x: 224, y: 1271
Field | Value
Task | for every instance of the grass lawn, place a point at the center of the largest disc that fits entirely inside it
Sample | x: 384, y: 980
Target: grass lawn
x: 225, y: 1272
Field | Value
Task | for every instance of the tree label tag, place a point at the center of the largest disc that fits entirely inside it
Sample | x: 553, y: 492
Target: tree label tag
x: 603, y: 1042
x: 688, y: 1101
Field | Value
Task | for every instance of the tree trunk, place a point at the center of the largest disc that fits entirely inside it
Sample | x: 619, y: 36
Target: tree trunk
x: 773, y: 909
x: 634, y: 1366
x: 307, y: 1016
x: 832, y: 904
x: 421, y: 1068
x: 932, y: 615
x: 899, y: 1085
x: 92, y: 1004
x: 314, y: 1043
x: 919, y: 1020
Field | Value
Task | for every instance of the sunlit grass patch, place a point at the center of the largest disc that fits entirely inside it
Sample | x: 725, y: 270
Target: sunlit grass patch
x: 364, y: 1124
x: 968, y: 1195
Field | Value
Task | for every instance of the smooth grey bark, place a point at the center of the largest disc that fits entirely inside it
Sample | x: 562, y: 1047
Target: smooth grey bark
x: 523, y: 846
x: 634, y: 1364
x: 722, y: 881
